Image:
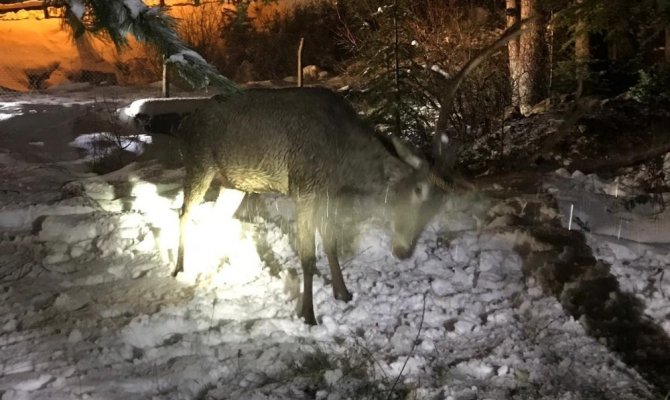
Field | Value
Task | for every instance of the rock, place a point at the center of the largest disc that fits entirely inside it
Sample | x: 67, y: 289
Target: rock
x: 94, y: 77
x: 511, y: 113
x: 69, y: 87
x: 310, y: 72
x: 38, y: 76
x: 245, y: 72
x: 541, y: 107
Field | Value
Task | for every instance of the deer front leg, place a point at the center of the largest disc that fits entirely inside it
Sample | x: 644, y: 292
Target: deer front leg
x: 196, y: 184
x: 306, y: 252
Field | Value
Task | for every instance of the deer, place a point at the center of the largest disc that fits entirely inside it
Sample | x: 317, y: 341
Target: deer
x: 310, y: 144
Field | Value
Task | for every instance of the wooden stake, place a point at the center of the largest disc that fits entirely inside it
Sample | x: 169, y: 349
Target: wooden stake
x: 572, y: 207
x: 302, y: 41
x: 166, y: 78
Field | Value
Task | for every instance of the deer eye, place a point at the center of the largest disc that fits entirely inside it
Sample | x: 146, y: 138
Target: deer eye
x: 421, y: 191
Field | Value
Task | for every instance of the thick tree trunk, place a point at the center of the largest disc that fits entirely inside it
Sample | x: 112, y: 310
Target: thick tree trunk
x: 582, y: 53
x: 532, y: 82
x: 513, y: 16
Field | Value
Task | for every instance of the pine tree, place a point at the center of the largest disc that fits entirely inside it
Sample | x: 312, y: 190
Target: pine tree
x: 394, y: 81
x: 629, y: 30
x: 116, y: 19
x: 532, y: 58
x: 513, y: 17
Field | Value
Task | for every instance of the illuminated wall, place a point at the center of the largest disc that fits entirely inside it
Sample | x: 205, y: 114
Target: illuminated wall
x: 30, y: 43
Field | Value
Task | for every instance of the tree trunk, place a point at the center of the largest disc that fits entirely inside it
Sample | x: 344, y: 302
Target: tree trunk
x: 667, y: 44
x: 582, y: 52
x: 512, y: 11
x: 531, y: 59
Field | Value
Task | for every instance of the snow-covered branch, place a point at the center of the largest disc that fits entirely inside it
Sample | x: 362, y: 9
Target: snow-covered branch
x: 118, y: 18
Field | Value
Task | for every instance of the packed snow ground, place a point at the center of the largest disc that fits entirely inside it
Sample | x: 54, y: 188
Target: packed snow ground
x: 88, y: 309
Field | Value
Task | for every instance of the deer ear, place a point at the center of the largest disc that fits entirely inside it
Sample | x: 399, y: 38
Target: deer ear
x: 407, y: 155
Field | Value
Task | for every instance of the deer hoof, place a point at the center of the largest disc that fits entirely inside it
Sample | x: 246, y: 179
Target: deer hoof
x: 344, y: 296
x: 308, y: 316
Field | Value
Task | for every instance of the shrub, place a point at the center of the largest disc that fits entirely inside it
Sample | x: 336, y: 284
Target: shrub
x: 199, y: 27
x: 652, y: 87
x: 430, y: 33
x: 259, y: 40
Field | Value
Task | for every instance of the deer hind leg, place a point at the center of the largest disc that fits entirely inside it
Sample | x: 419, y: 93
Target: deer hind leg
x: 307, y: 254
x: 340, y: 291
x: 196, y: 183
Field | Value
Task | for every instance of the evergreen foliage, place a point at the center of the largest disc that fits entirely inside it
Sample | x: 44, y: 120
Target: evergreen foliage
x: 653, y: 87
x: 626, y: 37
x: 394, y: 81
x: 435, y: 39
x: 264, y: 46
x: 116, y: 19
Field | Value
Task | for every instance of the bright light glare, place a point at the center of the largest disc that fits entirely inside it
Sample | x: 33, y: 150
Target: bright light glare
x: 219, y: 250
x: 134, y: 108
x: 162, y: 214
x: 91, y: 143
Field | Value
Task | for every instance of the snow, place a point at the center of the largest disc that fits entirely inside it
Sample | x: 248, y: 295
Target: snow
x: 101, y: 144
x: 77, y: 8
x: 152, y: 106
x: 184, y: 55
x: 437, y: 69
x: 88, y: 308
x: 135, y: 7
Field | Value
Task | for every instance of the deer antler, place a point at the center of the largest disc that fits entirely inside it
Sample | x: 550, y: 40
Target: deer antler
x: 452, y: 85
x: 450, y: 184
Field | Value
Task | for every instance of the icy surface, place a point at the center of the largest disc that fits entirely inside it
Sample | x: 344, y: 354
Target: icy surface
x: 101, y: 144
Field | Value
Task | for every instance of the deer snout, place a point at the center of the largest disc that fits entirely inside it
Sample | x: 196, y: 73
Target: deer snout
x: 401, y: 251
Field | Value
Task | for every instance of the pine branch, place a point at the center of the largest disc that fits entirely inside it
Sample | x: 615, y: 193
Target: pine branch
x: 118, y: 18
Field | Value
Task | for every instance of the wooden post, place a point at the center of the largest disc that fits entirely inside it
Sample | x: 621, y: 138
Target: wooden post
x: 166, y: 78
x: 302, y: 41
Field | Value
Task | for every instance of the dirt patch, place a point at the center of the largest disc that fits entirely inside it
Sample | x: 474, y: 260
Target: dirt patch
x: 590, y: 293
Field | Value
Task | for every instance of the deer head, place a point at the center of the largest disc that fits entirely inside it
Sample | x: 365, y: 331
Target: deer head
x: 418, y: 196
